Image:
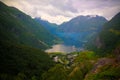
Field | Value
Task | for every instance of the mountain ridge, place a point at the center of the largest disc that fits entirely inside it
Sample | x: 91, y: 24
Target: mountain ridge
x: 23, y: 28
x: 82, y: 23
x: 108, y: 38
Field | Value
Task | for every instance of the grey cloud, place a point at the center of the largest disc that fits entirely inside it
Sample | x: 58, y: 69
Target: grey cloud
x: 64, y: 5
x: 52, y: 9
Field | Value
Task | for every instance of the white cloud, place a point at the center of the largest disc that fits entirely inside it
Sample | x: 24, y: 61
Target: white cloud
x: 58, y: 11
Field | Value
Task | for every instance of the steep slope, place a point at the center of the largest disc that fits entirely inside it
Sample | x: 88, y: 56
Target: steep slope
x: 105, y: 69
x: 49, y: 26
x: 110, y: 35
x: 109, y: 38
x: 21, y: 39
x: 18, y: 27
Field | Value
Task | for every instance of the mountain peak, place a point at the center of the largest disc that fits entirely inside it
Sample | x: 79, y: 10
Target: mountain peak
x: 83, y: 23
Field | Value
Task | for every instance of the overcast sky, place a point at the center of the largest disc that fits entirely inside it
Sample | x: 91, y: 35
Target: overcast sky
x: 58, y: 11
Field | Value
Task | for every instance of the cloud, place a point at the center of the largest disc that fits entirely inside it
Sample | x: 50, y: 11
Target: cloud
x: 64, y: 5
x: 58, y: 11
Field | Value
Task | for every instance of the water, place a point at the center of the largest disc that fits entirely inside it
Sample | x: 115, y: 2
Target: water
x: 63, y: 48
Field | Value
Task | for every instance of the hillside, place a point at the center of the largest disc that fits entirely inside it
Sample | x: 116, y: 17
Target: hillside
x: 110, y: 35
x: 20, y: 62
x: 22, y: 41
x: 16, y: 26
x: 109, y: 38
x: 86, y: 65
x: 51, y: 27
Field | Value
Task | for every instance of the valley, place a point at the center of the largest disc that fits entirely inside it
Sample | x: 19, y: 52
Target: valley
x: 83, y: 48
x: 64, y: 49
x: 75, y: 34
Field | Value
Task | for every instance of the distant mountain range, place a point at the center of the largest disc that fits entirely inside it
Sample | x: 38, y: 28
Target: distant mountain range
x: 83, y: 23
x: 77, y: 31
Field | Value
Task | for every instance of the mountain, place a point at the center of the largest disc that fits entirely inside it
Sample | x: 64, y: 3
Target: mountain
x: 79, y: 30
x: 16, y: 26
x: 83, y: 23
x: 21, y: 43
x: 101, y: 60
x: 51, y: 27
x: 21, y: 57
x: 110, y: 34
x: 109, y: 38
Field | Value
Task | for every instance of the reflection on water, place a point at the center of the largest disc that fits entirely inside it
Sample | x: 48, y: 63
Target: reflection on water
x: 62, y: 48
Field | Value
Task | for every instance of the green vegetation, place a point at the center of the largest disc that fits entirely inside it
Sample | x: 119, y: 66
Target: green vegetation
x: 58, y: 72
x: 78, y: 69
x: 21, y: 28
x: 82, y: 65
x: 22, y: 41
x: 108, y: 39
x: 86, y: 65
x: 90, y: 65
x: 110, y: 35
x: 107, y: 72
x: 19, y: 62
